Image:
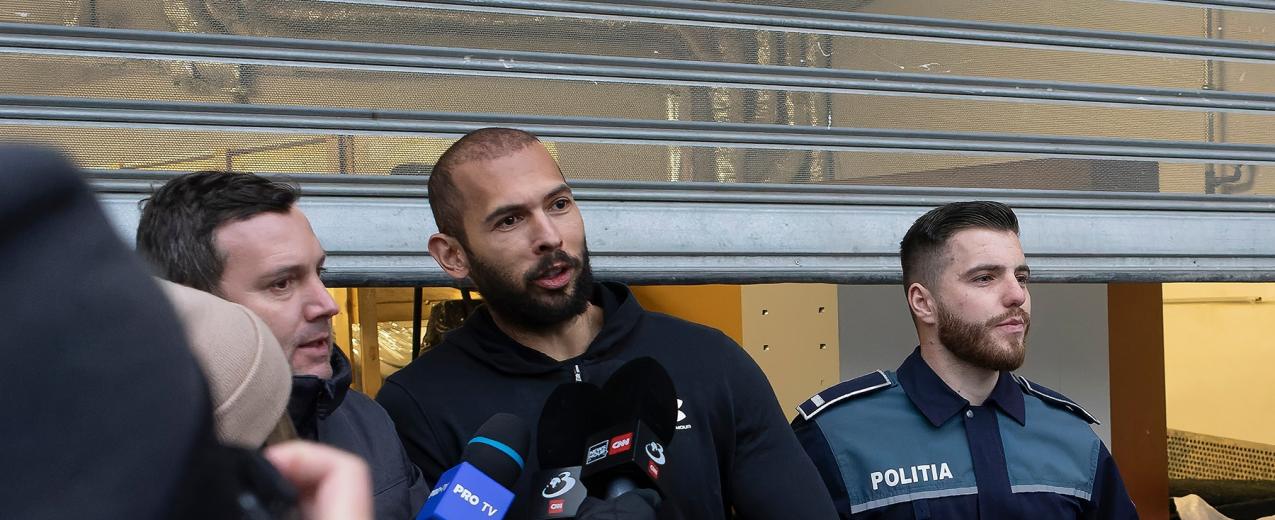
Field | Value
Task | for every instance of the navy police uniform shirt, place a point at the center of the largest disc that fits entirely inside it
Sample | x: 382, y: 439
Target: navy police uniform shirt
x: 902, y: 445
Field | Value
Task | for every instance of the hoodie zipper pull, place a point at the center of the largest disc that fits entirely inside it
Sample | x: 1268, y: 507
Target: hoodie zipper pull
x: 579, y: 377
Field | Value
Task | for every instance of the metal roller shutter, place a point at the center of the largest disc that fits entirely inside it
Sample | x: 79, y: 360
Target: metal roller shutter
x: 712, y: 141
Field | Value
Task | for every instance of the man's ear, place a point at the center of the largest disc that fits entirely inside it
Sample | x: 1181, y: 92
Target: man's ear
x: 450, y: 255
x: 921, y: 302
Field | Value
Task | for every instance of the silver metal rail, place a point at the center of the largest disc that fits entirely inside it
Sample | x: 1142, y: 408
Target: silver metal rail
x: 375, y: 230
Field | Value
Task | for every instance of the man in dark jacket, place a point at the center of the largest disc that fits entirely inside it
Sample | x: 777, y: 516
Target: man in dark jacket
x: 241, y: 237
x: 507, y: 221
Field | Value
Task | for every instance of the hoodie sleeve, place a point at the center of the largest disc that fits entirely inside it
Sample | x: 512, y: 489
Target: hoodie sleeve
x: 771, y: 476
x: 415, y: 431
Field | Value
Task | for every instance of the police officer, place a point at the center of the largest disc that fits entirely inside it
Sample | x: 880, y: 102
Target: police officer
x: 953, y: 433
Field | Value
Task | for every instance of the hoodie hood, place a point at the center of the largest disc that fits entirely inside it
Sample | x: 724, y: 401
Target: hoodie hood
x: 482, y: 340
x: 313, y: 399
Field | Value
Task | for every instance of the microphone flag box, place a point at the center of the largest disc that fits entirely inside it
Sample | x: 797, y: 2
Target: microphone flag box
x: 464, y: 492
x: 633, y: 449
x: 559, y: 493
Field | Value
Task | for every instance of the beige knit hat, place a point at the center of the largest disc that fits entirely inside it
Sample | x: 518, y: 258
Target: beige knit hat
x: 248, y: 376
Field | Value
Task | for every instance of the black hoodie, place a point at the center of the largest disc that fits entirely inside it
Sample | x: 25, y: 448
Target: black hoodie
x: 324, y: 410
x: 733, y: 447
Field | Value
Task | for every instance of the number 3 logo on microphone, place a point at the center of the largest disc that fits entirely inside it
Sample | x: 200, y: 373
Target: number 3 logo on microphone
x: 558, y: 485
x: 655, y: 452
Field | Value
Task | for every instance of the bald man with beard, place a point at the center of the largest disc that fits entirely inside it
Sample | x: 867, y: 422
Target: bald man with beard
x: 508, y: 222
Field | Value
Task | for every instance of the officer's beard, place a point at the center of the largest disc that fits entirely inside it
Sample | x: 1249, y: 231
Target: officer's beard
x: 976, y: 345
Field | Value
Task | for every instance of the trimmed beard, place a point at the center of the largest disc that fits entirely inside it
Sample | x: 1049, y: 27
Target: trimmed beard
x: 513, y: 301
x: 974, y: 344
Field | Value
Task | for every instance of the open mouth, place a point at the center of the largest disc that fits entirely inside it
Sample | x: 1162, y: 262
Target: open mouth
x: 556, y: 277
x: 321, y: 343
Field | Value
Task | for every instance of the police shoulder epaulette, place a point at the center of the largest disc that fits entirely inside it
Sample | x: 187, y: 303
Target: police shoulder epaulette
x: 1055, y: 399
x: 856, y: 387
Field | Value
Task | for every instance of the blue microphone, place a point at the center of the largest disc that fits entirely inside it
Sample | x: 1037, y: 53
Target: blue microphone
x: 478, y: 487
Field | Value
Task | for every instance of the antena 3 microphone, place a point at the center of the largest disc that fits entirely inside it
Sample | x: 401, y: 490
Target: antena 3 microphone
x: 478, y: 487
x: 568, y: 417
x: 629, y: 452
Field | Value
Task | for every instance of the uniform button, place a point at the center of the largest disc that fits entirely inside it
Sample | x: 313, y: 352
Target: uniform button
x: 969, y: 414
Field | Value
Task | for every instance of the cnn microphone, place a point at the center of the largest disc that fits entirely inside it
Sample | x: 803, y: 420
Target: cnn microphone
x: 478, y: 487
x: 629, y: 451
x: 565, y: 422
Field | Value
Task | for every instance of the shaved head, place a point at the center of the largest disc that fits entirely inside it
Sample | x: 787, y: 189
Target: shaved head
x: 485, y: 144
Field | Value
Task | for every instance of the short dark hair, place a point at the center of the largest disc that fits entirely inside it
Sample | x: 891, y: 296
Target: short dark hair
x: 922, y: 249
x: 175, y: 232
x: 480, y: 145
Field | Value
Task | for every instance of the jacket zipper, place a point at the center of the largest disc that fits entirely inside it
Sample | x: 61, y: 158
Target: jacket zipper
x: 579, y: 377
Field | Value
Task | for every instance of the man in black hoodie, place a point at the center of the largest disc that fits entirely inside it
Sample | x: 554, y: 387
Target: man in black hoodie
x: 508, y: 222
x: 241, y: 237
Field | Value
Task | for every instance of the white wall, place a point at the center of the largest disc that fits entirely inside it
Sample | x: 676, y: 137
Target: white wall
x: 1066, y: 349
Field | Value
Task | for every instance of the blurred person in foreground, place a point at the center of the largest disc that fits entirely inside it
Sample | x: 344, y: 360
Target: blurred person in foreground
x: 248, y: 375
x: 107, y: 415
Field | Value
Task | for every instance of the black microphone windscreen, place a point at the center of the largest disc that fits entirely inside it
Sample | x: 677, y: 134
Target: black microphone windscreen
x: 568, y: 418
x: 499, y: 448
x: 642, y: 389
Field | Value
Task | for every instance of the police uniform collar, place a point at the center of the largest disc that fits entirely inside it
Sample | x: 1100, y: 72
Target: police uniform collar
x: 1009, y: 398
x: 1055, y: 399
x: 938, y: 402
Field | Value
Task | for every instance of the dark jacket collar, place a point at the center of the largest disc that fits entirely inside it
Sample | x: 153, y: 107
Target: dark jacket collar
x: 313, y: 399
x: 483, y: 340
x: 938, y: 402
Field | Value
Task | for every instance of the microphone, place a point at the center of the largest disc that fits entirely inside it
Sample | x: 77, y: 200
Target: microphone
x: 478, y: 487
x: 566, y: 420
x: 629, y: 451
